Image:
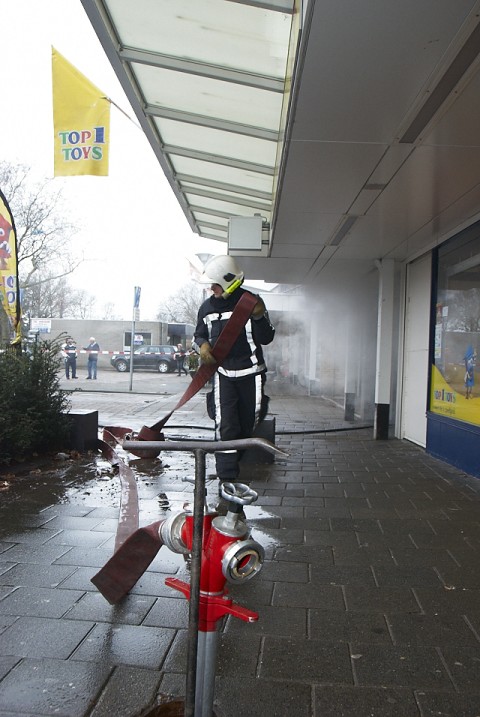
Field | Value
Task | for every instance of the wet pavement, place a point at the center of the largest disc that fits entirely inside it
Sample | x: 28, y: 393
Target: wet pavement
x: 368, y: 600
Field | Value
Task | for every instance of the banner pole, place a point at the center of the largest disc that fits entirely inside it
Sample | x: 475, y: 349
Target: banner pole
x: 136, y: 309
x: 131, y: 350
x: 9, y: 277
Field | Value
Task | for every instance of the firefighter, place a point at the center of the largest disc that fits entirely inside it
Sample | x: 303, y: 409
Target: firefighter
x: 237, y: 401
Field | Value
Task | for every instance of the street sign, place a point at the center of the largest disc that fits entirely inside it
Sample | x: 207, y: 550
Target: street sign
x: 41, y: 326
x: 136, y: 297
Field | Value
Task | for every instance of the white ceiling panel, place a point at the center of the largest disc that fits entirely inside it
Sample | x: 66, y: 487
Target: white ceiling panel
x: 295, y: 251
x: 366, y: 64
x: 269, y: 269
x: 217, y: 142
x: 298, y: 227
x: 211, y: 31
x: 433, y: 180
x: 202, y: 218
x: 209, y: 97
x: 365, y: 77
x: 229, y: 175
x: 332, y: 174
x: 224, y: 205
x: 460, y: 125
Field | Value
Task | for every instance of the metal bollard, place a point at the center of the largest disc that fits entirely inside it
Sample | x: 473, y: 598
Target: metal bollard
x: 228, y: 555
x: 221, y: 551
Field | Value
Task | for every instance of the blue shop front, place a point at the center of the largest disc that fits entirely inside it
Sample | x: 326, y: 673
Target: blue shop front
x: 453, y: 416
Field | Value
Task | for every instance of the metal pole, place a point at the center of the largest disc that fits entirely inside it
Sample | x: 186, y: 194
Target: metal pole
x: 131, y: 350
x: 136, y: 309
x: 194, y: 607
x: 206, y: 666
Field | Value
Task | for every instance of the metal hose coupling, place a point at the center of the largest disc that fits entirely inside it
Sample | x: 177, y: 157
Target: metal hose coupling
x: 242, y: 560
x: 170, y: 532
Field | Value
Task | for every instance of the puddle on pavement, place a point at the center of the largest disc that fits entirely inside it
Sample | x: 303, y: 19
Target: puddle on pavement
x: 257, y: 512
x: 259, y: 519
x: 90, y: 480
x: 164, y: 485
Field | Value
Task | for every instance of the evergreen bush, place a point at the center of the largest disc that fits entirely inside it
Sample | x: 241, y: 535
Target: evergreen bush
x: 192, y: 361
x: 34, y: 408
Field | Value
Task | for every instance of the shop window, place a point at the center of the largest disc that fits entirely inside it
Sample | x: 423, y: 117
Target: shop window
x: 455, y: 379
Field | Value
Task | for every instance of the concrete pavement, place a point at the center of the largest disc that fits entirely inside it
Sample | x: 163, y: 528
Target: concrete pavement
x: 368, y: 601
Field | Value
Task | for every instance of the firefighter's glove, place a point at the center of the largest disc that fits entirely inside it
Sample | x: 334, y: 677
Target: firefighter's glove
x: 258, y: 310
x: 206, y: 354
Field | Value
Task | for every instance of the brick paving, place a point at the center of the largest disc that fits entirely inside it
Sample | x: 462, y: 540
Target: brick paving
x: 368, y: 600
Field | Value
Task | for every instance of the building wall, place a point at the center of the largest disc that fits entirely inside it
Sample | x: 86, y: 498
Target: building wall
x: 110, y: 335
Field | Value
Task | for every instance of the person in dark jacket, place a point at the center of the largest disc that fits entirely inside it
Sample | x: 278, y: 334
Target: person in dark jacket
x: 69, y: 352
x: 179, y: 356
x: 237, y: 402
x: 93, y: 349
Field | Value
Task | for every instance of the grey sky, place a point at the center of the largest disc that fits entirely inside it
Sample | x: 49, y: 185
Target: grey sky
x: 133, y: 231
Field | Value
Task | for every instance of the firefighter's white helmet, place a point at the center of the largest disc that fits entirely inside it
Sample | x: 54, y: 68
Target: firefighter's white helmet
x: 223, y: 270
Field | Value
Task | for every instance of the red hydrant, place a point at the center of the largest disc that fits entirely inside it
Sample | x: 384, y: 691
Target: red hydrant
x: 228, y: 555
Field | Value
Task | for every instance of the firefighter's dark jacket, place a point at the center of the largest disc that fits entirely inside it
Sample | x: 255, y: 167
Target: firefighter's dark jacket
x: 246, y: 356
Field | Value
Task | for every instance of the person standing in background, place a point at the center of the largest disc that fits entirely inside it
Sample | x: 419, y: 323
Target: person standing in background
x: 180, y: 355
x: 93, y: 349
x: 69, y: 352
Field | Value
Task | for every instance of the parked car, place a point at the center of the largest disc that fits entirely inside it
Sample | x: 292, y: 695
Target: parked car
x: 158, y: 358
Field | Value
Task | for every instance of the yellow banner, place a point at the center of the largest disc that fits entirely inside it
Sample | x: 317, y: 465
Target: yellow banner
x: 449, y: 399
x: 9, y: 288
x: 81, y: 120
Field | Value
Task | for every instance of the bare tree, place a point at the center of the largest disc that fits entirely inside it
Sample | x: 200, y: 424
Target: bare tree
x: 53, y: 297
x: 182, y: 307
x: 43, y: 234
x: 46, y: 298
x: 44, y: 244
x: 464, y: 310
x: 81, y: 305
x: 108, y: 312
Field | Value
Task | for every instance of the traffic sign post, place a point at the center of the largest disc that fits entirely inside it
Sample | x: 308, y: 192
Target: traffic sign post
x: 135, y: 317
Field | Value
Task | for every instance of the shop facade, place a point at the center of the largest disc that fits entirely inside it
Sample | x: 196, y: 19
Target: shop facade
x: 453, y: 416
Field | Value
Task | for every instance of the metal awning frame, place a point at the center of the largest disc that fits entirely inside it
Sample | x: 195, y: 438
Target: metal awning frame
x: 125, y: 58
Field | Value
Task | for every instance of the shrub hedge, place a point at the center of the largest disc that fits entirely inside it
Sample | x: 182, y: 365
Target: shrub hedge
x: 33, y: 418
